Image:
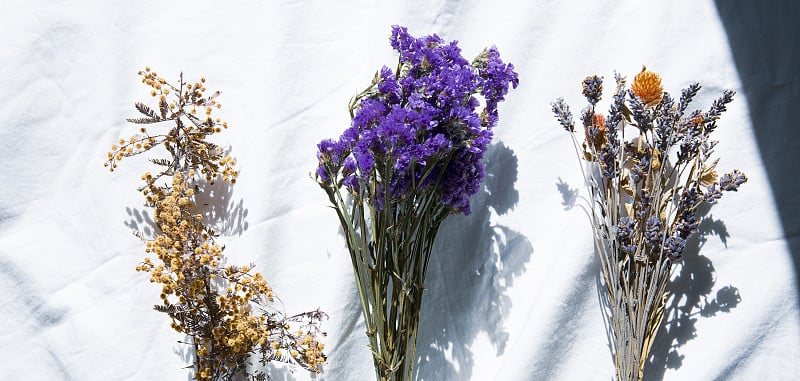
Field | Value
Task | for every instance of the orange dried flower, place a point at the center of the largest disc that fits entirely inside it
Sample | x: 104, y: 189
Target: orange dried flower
x: 647, y: 86
x: 599, y: 139
x: 698, y: 120
x: 599, y: 121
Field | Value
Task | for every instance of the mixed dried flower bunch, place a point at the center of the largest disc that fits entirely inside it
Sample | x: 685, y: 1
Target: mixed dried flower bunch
x: 645, y: 191
x: 411, y: 157
x: 225, y: 310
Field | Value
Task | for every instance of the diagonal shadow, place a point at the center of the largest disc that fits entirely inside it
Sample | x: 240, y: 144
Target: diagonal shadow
x: 474, y: 262
x: 28, y: 313
x: 763, y: 37
x: 30, y: 307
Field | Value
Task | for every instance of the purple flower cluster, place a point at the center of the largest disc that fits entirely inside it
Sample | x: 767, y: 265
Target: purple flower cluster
x: 626, y: 234
x: 731, y: 181
x: 416, y: 129
x: 608, y: 153
x: 669, y: 140
x: 593, y: 89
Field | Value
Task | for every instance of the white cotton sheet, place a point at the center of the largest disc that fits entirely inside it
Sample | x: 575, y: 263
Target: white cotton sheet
x: 511, y: 290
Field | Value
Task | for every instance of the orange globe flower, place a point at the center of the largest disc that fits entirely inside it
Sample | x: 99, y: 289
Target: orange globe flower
x: 647, y: 86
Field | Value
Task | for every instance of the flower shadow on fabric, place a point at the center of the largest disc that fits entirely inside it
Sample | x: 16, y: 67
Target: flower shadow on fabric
x: 275, y: 373
x: 690, y: 297
x: 546, y: 363
x: 568, y: 195
x: 763, y: 41
x: 224, y: 215
x: 278, y: 373
x: 474, y: 262
x: 221, y: 213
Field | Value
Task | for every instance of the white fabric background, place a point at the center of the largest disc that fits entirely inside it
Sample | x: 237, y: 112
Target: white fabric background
x: 511, y: 288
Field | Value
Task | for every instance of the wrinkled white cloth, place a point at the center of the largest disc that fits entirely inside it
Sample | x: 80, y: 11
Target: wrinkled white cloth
x: 511, y: 290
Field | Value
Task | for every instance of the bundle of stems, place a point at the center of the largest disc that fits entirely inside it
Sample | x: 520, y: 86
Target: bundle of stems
x: 411, y: 157
x: 390, y: 249
x: 644, y: 193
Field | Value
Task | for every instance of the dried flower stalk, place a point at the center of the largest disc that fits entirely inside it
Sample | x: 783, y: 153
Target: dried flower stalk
x: 411, y: 157
x: 645, y: 192
x: 227, y: 311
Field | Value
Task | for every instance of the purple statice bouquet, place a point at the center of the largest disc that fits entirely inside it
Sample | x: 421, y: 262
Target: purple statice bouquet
x: 649, y: 169
x: 411, y: 156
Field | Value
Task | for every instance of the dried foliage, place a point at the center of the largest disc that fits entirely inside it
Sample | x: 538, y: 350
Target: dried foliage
x: 227, y: 311
x: 645, y: 192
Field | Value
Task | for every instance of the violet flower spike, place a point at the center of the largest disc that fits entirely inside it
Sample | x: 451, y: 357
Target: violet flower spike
x: 731, y: 181
x: 564, y: 116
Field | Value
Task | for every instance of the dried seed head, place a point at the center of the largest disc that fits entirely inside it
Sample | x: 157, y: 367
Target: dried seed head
x: 647, y: 86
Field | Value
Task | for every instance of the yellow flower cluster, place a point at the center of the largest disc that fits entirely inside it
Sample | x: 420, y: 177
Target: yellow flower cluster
x: 311, y: 351
x: 225, y: 309
x: 150, y: 78
x: 179, y: 104
x: 136, y: 144
x: 191, y: 271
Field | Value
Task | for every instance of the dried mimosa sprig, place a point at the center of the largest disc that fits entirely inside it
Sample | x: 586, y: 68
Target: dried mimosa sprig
x: 187, y: 141
x: 226, y: 311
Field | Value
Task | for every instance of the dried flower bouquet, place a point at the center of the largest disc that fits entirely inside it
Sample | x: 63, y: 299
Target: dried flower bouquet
x: 226, y: 311
x: 645, y: 190
x: 411, y: 157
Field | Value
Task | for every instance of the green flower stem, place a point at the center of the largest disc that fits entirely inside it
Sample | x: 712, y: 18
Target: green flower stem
x: 390, y: 250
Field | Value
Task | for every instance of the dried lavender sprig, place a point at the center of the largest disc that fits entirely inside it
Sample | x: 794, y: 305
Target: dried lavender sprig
x: 665, y: 123
x: 564, y: 116
x: 717, y: 108
x: 687, y: 95
x: 641, y: 114
x: 731, y: 181
x: 691, y: 137
x: 615, y: 117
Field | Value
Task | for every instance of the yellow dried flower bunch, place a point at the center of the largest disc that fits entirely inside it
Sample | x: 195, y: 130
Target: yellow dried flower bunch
x: 187, y: 139
x: 226, y: 310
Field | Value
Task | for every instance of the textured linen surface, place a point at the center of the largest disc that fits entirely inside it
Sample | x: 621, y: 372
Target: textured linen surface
x: 512, y: 288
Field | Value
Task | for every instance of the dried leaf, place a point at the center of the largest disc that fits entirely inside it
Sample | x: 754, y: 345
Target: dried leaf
x: 162, y: 105
x: 143, y: 120
x: 708, y: 174
x: 146, y: 110
x: 161, y: 162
